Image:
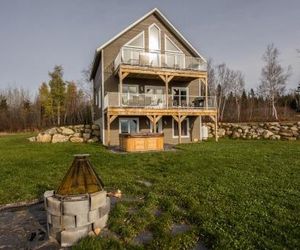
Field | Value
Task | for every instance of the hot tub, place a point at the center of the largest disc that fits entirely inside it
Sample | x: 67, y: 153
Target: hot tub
x: 141, y: 142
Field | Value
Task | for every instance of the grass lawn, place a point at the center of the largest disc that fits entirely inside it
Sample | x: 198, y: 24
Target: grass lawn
x: 234, y: 194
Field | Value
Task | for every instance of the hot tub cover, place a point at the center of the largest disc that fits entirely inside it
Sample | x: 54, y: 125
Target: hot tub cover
x: 81, y: 178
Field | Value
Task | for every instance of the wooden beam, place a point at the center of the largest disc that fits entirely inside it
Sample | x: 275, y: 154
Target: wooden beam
x: 162, y: 71
x: 108, y: 129
x: 176, y: 118
x: 169, y: 78
x: 112, y: 118
x: 216, y: 128
x: 124, y: 74
x: 206, y: 93
x: 163, y: 77
x: 163, y: 111
x: 182, y: 118
x: 179, y: 129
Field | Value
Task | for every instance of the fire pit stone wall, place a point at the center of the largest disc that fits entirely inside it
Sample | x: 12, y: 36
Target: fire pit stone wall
x: 69, y: 219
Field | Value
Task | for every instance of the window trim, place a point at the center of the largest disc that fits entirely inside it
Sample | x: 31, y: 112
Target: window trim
x: 130, y: 118
x: 159, y: 38
x: 182, y: 136
x: 187, y: 92
x: 173, y: 51
x: 137, y: 47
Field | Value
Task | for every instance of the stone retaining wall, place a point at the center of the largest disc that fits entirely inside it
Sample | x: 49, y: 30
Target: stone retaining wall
x: 265, y: 130
x: 75, y: 133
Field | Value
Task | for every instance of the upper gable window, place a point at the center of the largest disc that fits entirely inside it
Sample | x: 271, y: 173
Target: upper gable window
x: 137, y: 42
x: 170, y: 45
x: 154, y: 37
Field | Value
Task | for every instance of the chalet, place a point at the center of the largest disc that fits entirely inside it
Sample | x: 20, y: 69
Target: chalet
x: 150, y: 79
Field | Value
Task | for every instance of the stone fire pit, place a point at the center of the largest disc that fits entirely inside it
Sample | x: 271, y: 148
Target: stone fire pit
x: 80, y: 205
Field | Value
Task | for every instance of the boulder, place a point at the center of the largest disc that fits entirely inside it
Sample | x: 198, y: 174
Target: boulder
x: 95, y: 127
x: 93, y: 139
x: 76, y: 139
x: 51, y: 131
x: 267, y: 134
x: 67, y: 131
x: 86, y: 136
x: 294, y: 128
x: 221, y: 132
x: 275, y: 137
x: 286, y: 134
x: 236, y: 134
x: 42, y: 137
x: 96, y: 132
x: 59, y: 138
x: 32, y: 139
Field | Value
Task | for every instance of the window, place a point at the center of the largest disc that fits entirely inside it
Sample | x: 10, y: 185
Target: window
x: 180, y: 96
x: 129, y: 125
x: 185, y: 126
x: 137, y: 42
x: 154, y: 37
x: 130, y: 95
x: 174, y: 56
x: 155, y: 96
x: 170, y: 45
x: 154, y: 45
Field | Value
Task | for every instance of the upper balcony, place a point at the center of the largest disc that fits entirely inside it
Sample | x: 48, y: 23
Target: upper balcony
x: 170, y: 62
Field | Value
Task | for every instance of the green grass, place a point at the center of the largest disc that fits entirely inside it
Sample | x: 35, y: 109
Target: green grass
x: 234, y: 194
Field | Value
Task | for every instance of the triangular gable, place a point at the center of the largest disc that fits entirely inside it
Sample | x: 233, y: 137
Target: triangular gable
x: 164, y: 21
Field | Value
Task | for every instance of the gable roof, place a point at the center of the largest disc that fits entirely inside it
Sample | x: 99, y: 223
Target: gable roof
x: 163, y: 19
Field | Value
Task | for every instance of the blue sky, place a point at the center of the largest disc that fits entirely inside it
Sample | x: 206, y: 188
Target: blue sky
x: 37, y: 34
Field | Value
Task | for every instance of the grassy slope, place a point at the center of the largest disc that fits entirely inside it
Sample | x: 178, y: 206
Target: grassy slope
x: 234, y: 194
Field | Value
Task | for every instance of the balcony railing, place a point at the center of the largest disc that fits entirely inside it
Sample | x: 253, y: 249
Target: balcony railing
x: 158, y: 101
x: 168, y: 60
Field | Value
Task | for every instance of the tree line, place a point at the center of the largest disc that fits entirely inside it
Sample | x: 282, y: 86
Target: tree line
x: 57, y: 102
x: 62, y: 102
x: 269, y: 102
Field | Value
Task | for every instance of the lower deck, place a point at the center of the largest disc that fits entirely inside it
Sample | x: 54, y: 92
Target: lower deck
x: 178, y: 125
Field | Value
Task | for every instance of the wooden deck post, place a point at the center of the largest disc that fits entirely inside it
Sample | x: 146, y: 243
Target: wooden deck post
x: 216, y: 128
x: 108, y: 129
x: 200, y: 132
x: 206, y: 93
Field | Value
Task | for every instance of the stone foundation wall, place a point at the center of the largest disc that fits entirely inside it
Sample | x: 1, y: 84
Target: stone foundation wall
x: 75, y: 133
x: 265, y: 130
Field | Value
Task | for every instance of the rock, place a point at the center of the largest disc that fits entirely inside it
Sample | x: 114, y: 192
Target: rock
x: 77, y: 134
x: 59, y: 138
x: 236, y: 134
x: 86, y: 136
x: 286, y: 134
x: 94, y: 139
x: 67, y: 131
x: 51, y: 131
x: 275, y: 137
x: 95, y: 127
x: 76, y: 139
x: 32, y: 139
x: 96, y: 132
x: 221, y: 132
x: 42, y: 137
x: 294, y: 128
x: 267, y: 134
x: 87, y: 126
x: 87, y: 130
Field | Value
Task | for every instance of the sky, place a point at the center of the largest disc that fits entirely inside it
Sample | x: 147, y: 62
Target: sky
x: 36, y: 35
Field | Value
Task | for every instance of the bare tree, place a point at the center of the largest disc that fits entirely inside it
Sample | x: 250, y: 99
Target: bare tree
x: 273, y: 78
x: 87, y: 88
x: 237, y: 87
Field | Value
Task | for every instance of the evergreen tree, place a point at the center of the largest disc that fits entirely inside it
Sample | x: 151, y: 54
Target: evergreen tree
x: 57, y: 91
